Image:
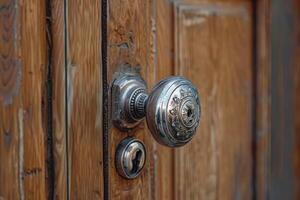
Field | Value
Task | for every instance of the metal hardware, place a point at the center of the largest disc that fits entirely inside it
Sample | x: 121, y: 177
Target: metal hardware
x: 126, y: 90
x: 172, y: 109
x: 130, y: 158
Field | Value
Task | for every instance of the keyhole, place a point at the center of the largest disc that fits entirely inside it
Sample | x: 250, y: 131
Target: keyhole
x: 189, y: 112
x: 136, y: 162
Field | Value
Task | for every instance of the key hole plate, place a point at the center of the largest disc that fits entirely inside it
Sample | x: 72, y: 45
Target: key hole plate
x: 130, y: 157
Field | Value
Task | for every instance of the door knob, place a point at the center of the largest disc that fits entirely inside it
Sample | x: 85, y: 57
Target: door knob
x: 172, y: 108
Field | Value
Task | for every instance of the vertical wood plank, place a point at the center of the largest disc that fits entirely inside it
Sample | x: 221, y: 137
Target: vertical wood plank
x: 84, y: 100
x: 129, y: 41
x: 163, y: 156
x: 23, y: 68
x: 33, y: 33
x: 59, y: 96
x: 262, y: 100
x: 11, y: 71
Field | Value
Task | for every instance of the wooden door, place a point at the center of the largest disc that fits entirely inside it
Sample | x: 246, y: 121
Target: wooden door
x: 211, y: 44
x: 51, y: 100
x: 59, y: 58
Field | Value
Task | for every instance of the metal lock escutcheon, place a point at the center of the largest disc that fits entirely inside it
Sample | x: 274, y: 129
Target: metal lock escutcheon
x: 172, y: 109
x: 130, y: 157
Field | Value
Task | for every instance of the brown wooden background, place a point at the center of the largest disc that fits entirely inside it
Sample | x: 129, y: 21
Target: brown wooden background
x: 57, y: 60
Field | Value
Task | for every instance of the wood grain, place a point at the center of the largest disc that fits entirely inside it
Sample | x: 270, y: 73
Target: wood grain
x: 250, y: 112
x: 84, y: 100
x: 23, y: 67
x: 130, y: 37
x: 262, y: 99
x: 200, y: 172
x: 163, y: 166
x: 58, y: 98
x: 214, y: 50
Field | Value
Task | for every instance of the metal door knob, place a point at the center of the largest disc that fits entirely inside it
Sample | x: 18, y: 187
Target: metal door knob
x: 172, y: 109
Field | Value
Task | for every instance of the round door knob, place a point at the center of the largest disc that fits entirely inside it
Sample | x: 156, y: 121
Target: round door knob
x: 172, y: 109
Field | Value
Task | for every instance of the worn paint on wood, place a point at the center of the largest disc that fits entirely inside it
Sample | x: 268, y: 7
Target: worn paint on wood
x: 23, y: 68
x: 11, y: 70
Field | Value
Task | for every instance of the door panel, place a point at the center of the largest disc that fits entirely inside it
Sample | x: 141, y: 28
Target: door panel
x: 224, y: 73
x: 213, y: 48
x: 211, y: 44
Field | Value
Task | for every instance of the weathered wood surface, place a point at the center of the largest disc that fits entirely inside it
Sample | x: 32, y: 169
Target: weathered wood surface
x: 84, y: 100
x: 210, y: 44
x: 24, y: 102
x: 261, y: 98
x: 163, y: 157
x: 223, y: 46
x: 129, y: 41
x: 57, y: 32
x: 218, y: 162
x: 23, y: 68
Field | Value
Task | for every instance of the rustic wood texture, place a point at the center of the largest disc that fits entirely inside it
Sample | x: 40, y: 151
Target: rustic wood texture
x: 130, y: 40
x: 213, y: 48
x: 163, y: 157
x: 23, y: 68
x: 84, y: 100
x: 210, y: 44
x: 247, y: 145
x: 57, y: 24
x: 262, y: 99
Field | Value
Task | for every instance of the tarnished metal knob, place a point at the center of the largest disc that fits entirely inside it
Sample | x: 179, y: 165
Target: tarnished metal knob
x: 172, y: 109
